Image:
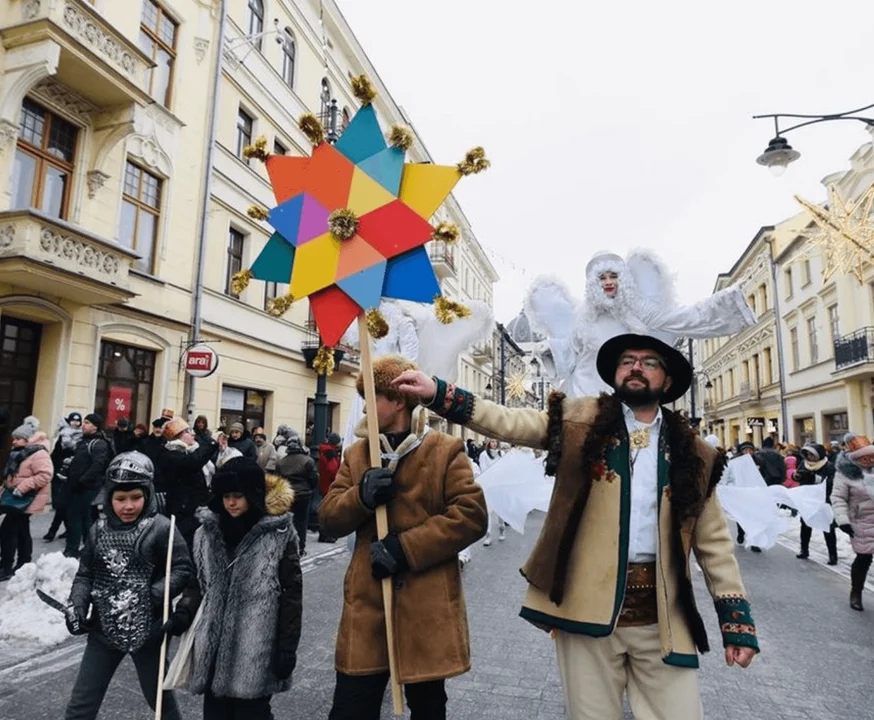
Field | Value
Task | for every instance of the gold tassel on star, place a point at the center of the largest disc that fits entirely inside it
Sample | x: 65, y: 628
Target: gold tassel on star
x: 363, y: 89
x: 343, y: 224
x: 258, y: 150
x: 377, y: 327
x: 447, y: 232
x: 400, y: 137
x: 257, y: 213
x: 323, y: 363
x: 277, y: 307
x: 240, y: 281
x: 448, y: 310
x: 474, y: 162
x: 312, y: 127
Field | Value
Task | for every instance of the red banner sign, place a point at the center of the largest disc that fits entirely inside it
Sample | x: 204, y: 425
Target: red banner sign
x: 120, y: 402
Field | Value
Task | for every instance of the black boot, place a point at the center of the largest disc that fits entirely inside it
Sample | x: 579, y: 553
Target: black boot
x: 803, y: 555
x: 831, y: 543
x: 856, y: 600
x: 805, y: 542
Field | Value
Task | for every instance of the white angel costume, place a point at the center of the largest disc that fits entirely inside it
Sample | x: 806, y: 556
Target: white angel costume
x: 643, y: 303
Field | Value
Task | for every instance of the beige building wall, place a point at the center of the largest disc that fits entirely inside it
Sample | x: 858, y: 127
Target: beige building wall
x: 89, y: 310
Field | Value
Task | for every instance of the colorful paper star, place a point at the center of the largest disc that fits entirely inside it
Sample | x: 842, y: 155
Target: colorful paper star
x: 844, y: 232
x: 516, y: 385
x: 390, y: 200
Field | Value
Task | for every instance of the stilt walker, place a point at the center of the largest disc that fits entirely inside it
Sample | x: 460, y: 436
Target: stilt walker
x: 350, y: 226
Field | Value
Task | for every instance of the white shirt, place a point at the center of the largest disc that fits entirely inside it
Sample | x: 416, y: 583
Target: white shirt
x: 643, y: 525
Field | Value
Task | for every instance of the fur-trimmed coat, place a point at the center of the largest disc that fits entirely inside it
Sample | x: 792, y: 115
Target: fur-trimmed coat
x: 576, y: 572
x: 252, y: 602
x: 437, y: 511
x: 853, y: 502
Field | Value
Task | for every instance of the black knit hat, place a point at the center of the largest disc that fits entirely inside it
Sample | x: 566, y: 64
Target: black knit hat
x: 239, y: 475
x: 95, y: 419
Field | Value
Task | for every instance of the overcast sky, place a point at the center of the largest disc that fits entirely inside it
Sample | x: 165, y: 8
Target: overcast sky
x: 623, y: 125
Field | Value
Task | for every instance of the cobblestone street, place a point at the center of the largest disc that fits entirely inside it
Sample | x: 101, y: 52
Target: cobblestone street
x: 816, y: 662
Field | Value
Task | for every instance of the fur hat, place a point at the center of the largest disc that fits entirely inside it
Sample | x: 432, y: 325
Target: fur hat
x: 242, y: 475
x: 174, y: 428
x: 385, y: 369
x: 27, y: 429
x: 858, y: 446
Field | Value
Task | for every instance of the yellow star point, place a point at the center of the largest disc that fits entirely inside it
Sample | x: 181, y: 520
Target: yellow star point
x: 844, y: 232
x: 516, y: 385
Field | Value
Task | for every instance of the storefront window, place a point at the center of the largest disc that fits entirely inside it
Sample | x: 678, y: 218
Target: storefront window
x: 836, y: 426
x: 125, y: 377
x: 242, y: 405
x: 805, y: 431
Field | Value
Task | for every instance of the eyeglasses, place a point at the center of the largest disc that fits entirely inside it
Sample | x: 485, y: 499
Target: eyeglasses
x: 647, y: 363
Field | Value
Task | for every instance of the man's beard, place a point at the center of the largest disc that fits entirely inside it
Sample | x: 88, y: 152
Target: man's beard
x: 638, y: 397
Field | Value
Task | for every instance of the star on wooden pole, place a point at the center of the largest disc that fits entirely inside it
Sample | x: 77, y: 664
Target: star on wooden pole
x: 844, y: 231
x: 516, y: 387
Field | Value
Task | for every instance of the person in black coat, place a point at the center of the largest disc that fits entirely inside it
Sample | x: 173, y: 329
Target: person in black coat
x: 123, y: 436
x: 69, y: 435
x: 299, y: 468
x: 152, y: 446
x: 817, y: 469
x: 245, y: 445
x: 182, y: 461
x: 771, y: 463
x: 84, y: 481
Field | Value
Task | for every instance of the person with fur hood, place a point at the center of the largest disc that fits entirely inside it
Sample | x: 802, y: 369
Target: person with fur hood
x: 26, y: 478
x: 250, y: 589
x: 853, y: 502
x: 181, y: 462
x: 298, y: 467
x: 435, y: 510
x: 121, y: 580
x: 816, y: 469
x: 69, y: 434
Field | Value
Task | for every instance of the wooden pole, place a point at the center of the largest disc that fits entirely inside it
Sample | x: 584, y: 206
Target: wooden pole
x: 397, y: 697
x: 159, y: 701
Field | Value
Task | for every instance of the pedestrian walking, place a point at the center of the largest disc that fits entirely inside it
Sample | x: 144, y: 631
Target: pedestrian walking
x: 26, y: 486
x: 182, y: 461
x: 853, y: 502
x: 299, y: 469
x: 816, y: 469
x: 119, y: 589
x: 633, y: 497
x: 84, y: 480
x: 69, y: 434
x: 435, y: 510
x: 249, y: 575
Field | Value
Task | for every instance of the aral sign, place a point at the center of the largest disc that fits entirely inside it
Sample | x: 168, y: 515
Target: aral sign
x: 201, y: 361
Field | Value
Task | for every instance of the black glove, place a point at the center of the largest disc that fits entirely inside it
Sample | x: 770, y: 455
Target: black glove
x: 387, y: 557
x: 284, y: 663
x: 847, y: 528
x: 376, y: 487
x: 77, y: 621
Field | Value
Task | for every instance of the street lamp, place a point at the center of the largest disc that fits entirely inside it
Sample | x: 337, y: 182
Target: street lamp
x: 780, y: 153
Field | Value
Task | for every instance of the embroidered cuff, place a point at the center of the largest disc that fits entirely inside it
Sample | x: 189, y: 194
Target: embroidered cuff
x: 452, y: 403
x: 736, y: 623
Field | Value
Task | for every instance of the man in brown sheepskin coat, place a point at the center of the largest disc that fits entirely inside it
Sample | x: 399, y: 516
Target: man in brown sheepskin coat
x: 435, y: 510
x: 609, y: 576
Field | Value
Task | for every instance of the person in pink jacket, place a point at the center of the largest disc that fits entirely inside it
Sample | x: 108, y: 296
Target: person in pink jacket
x: 27, y: 478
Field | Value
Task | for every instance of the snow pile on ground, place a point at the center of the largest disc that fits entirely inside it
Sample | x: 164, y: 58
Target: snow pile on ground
x: 23, y: 616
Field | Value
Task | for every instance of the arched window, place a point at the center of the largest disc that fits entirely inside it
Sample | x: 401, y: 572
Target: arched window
x: 255, y: 20
x: 288, y: 50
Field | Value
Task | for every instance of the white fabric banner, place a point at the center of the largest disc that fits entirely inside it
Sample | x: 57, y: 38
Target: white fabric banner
x: 514, y: 486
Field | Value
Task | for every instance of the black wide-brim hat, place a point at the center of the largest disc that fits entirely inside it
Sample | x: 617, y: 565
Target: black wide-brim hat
x: 677, y: 366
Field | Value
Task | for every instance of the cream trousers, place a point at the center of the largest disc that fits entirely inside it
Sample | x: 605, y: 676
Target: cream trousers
x: 596, y: 673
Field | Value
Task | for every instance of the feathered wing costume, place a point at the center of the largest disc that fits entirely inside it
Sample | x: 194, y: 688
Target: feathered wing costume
x: 644, y: 303
x: 417, y: 334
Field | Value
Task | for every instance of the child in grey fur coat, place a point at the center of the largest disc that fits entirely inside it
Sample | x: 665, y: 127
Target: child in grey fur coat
x: 249, y: 576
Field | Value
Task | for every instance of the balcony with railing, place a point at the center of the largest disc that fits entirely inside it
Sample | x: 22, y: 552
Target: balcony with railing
x: 442, y: 256
x: 854, y: 349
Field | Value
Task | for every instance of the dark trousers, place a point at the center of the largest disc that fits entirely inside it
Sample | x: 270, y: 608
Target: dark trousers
x: 224, y: 708
x: 859, y: 571
x: 15, y: 537
x: 831, y: 540
x: 59, y: 505
x: 359, y: 697
x: 99, y: 664
x: 78, y: 519
x: 300, y: 513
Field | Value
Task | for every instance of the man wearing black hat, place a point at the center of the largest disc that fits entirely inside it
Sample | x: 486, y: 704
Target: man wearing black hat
x: 609, y: 576
x: 84, y: 480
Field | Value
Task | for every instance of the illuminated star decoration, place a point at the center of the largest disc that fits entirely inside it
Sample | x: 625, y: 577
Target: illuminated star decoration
x: 516, y: 386
x: 844, y: 232
x: 351, y: 222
